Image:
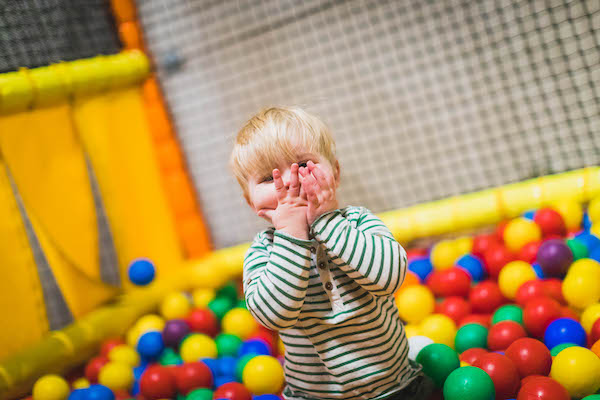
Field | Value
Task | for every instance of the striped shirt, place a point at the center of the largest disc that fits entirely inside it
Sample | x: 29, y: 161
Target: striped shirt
x: 331, y: 299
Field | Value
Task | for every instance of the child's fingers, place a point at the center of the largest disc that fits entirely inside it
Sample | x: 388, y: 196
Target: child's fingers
x: 294, y: 181
x: 319, y: 175
x: 279, y: 188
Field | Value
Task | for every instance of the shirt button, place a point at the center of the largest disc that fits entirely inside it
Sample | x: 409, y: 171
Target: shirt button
x: 322, y: 265
x: 328, y: 286
x: 312, y: 249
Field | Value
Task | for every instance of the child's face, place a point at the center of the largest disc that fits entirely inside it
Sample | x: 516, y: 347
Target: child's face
x: 261, y: 190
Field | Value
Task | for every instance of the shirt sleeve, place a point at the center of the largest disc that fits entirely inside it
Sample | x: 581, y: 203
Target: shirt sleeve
x: 275, y: 281
x: 369, y: 253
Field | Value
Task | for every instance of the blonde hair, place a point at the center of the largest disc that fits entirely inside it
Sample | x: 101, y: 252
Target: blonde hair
x: 272, y: 137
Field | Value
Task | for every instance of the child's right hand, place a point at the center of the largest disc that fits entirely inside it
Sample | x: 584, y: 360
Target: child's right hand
x: 290, y: 214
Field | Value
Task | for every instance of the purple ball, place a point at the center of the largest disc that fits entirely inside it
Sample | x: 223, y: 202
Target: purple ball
x: 555, y: 258
x: 174, y: 331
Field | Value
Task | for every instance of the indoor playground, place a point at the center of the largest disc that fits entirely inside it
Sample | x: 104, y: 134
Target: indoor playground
x: 470, y: 128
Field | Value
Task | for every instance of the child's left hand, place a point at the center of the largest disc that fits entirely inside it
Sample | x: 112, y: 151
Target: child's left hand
x: 319, y: 186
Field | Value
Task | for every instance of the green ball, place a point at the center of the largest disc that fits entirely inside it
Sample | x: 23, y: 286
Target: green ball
x: 220, y: 306
x: 578, y: 249
x: 560, y: 347
x: 592, y: 397
x: 469, y: 336
x: 438, y: 361
x: 229, y: 291
x: 241, y: 304
x: 228, y: 345
x: 509, y: 312
x: 239, y: 368
x: 169, y: 357
x: 200, y: 394
x: 470, y: 383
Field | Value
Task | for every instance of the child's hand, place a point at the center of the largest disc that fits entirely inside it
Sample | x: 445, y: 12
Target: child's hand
x: 290, y: 214
x: 319, y: 186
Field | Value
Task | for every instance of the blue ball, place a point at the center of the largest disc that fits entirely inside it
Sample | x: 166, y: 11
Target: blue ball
x: 254, y: 346
x: 586, y: 222
x: 223, y: 379
x: 99, y: 392
x: 590, y: 241
x: 141, y: 271
x: 564, y: 330
x: 78, y: 394
x: 150, y: 345
x: 226, y: 366
x: 537, y: 268
x: 529, y: 214
x: 421, y: 266
x: 266, y: 397
x: 595, y: 255
x: 212, y: 364
x: 473, y: 266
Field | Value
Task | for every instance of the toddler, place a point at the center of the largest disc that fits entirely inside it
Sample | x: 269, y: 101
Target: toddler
x: 322, y: 276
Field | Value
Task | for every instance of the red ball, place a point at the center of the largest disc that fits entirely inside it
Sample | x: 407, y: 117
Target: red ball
x: 553, y: 288
x: 500, y: 230
x: 502, y: 334
x: 542, y: 388
x: 486, y: 297
x: 93, y: 367
x: 449, y: 282
x: 495, y: 258
x: 503, y: 372
x: 567, y: 312
x: 109, y: 344
x: 121, y: 394
x: 538, y: 313
x: 595, y: 331
x: 531, y: 357
x: 268, y: 337
x: 472, y: 355
x: 482, y: 243
x: 455, y: 307
x: 550, y: 222
x: 157, y: 382
x: 528, y: 252
x: 232, y: 391
x: 481, y: 319
x: 415, y: 253
x: 529, y: 290
x: 203, y: 320
x: 192, y: 375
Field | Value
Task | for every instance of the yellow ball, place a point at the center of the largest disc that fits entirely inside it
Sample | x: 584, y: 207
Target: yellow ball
x: 280, y: 346
x: 519, y: 232
x: 116, y: 376
x: 439, y: 328
x: 464, y: 364
x: 124, y: 354
x: 581, y: 286
x: 412, y: 330
x: 263, y: 375
x: 594, y: 210
x: 175, y: 305
x: 132, y: 336
x: 585, y: 267
x: 150, y: 322
x: 464, y: 245
x: 589, y: 316
x: 197, y: 346
x: 513, y: 275
x: 415, y: 303
x: 595, y: 229
x: 239, y: 322
x: 571, y: 211
x: 444, y: 254
x: 50, y: 387
x: 81, y: 383
x: 578, y: 370
x: 201, y: 297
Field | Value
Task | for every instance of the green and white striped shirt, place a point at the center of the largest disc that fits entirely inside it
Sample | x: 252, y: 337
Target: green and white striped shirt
x: 331, y: 299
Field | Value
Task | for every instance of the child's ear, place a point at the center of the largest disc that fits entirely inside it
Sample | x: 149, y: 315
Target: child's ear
x: 336, y: 173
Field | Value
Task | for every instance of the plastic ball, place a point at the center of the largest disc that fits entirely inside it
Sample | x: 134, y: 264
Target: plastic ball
x: 538, y: 313
x: 267, y: 336
x: 481, y: 319
x: 239, y: 322
x: 80, y: 383
x: 531, y: 357
x: 503, y: 372
x: 410, y: 330
x: 578, y: 249
x: 220, y: 306
x: 174, y: 332
x: 150, y: 345
x: 149, y: 322
x: 469, y: 383
x: 578, y: 370
x: 529, y: 290
x: 124, y: 354
x: 555, y: 257
x: 553, y: 288
x: 241, y: 364
x: 463, y: 245
x: 596, y: 348
x: 116, y: 376
x: 595, y: 331
x: 232, y: 391
x: 255, y: 346
x: 495, y: 258
x: 438, y: 361
x: 503, y: 334
x: 564, y: 330
x: 416, y: 344
x: 590, y: 241
x: 581, y: 286
x: 197, y: 346
x: 175, y: 305
x: 444, y: 254
x: 415, y: 303
x: 421, y: 267
x: 76, y: 394
x: 157, y: 382
x: 528, y: 253
x: 203, y: 320
x: 228, y: 345
x: 538, y: 270
x: 473, y: 265
x: 470, y: 356
x: 450, y: 282
x: 201, y: 297
x: 50, y: 387
x: 141, y: 272
x: 454, y: 307
x: 410, y: 279
x: 109, y: 344
x: 200, y: 394
x: 519, y: 232
x: 262, y: 375
x: 267, y: 397
x: 542, y: 388
x: 470, y: 336
x: 99, y: 392
x: 509, y: 312
x: 192, y: 375
x: 558, y: 348
x: 93, y: 367
x: 512, y: 276
x: 550, y: 222
x: 169, y: 357
x: 439, y: 328
x: 486, y: 297
x: 482, y: 243
x: 571, y: 211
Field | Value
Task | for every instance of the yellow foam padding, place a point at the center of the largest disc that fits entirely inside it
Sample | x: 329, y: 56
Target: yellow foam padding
x: 113, y: 129
x: 21, y: 302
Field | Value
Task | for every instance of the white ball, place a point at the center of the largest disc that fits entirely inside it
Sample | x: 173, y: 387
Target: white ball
x: 416, y: 344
